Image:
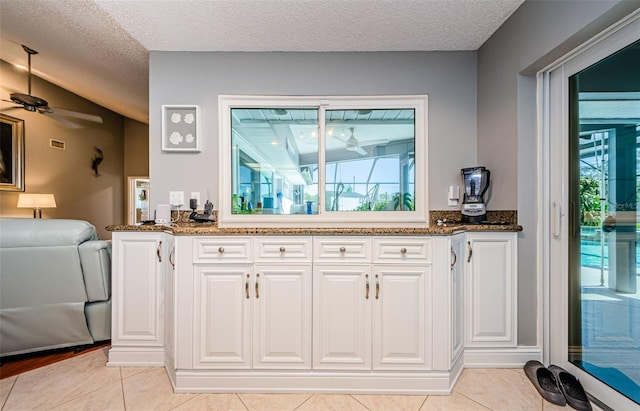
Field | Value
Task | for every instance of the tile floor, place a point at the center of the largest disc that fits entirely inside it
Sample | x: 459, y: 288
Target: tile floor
x: 84, y: 383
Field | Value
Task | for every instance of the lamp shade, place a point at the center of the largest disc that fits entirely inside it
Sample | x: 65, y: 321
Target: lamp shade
x: 36, y: 201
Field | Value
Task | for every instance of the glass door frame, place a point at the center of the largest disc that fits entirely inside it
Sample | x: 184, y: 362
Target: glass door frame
x: 553, y: 137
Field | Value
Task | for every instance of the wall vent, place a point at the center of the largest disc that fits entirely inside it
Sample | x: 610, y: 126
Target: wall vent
x: 60, y: 145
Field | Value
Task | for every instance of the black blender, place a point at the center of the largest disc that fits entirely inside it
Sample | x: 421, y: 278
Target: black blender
x: 476, y: 183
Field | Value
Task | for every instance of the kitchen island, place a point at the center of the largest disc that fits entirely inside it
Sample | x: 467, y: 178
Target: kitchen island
x: 376, y: 310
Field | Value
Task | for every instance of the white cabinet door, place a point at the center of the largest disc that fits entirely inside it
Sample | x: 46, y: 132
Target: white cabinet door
x: 456, y: 263
x: 282, y: 316
x: 222, y: 302
x: 401, y: 317
x: 137, y: 288
x: 491, y: 291
x: 137, y: 296
x: 342, y: 316
x: 170, y: 301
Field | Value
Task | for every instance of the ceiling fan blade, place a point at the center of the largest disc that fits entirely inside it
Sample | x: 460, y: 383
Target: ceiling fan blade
x: 11, y: 108
x: 374, y: 142
x: 61, y: 120
x: 360, y: 151
x: 75, y: 114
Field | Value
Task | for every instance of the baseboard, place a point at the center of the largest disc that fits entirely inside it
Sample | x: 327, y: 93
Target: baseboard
x: 501, y: 357
x: 136, y: 357
x: 202, y: 381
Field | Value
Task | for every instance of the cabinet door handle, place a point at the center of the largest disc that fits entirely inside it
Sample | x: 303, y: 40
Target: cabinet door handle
x: 470, y: 251
x: 366, y: 287
x: 171, y: 257
x: 246, y: 287
x: 377, y: 287
x: 454, y: 258
x: 221, y: 250
x: 158, y: 249
x: 282, y: 249
x: 403, y: 250
x: 342, y: 249
x: 257, y: 285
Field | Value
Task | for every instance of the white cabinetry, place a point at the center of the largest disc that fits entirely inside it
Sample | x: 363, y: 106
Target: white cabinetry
x: 370, y: 314
x: 342, y: 303
x: 491, y: 289
x: 376, y: 315
x: 138, y: 281
x: 252, y: 303
x: 456, y: 264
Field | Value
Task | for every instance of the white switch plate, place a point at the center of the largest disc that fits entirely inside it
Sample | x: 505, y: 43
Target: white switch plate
x: 453, y: 195
x: 176, y: 198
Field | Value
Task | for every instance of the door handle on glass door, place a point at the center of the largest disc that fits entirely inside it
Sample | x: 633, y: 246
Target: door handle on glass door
x: 557, y: 219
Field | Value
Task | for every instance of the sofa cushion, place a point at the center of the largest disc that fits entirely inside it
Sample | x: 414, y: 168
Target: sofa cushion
x: 95, y: 258
x: 33, y: 232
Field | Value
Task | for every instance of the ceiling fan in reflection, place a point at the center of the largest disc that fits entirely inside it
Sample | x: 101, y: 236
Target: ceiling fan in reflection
x: 353, y: 144
x: 32, y: 103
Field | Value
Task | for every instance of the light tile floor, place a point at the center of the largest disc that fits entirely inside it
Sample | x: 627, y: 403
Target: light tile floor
x: 84, y: 383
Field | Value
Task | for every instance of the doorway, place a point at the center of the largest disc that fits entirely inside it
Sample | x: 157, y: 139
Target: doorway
x: 137, y: 200
x: 594, y: 191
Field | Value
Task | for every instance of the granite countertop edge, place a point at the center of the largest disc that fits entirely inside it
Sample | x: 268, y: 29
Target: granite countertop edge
x: 213, y: 230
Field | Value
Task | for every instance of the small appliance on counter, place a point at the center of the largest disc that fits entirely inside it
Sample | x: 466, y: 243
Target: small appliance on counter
x: 476, y: 182
x: 206, y: 217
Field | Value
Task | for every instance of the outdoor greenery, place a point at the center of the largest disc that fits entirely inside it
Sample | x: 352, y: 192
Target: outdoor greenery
x: 589, y: 201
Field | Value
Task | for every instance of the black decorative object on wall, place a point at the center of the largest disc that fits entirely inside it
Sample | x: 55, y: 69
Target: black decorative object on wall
x: 96, y: 160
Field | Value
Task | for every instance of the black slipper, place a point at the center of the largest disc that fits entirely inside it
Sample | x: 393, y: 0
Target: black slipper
x: 545, y: 382
x: 571, y: 388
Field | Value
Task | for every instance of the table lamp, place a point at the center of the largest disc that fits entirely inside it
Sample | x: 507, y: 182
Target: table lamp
x: 37, y: 202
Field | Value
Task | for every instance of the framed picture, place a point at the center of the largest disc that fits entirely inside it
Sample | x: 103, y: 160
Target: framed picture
x: 11, y: 153
x: 180, y: 128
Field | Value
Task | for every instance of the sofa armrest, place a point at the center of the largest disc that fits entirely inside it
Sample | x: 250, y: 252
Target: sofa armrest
x: 95, y: 258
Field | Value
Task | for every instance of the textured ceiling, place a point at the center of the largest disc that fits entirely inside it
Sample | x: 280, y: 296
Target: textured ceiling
x: 100, y: 49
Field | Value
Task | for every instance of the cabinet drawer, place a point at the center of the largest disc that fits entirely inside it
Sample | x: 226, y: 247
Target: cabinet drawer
x: 341, y: 249
x: 398, y: 249
x: 227, y: 249
x: 293, y: 249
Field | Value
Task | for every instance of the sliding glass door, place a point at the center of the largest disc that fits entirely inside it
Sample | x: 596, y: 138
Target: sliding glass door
x: 604, y: 189
x: 593, y: 279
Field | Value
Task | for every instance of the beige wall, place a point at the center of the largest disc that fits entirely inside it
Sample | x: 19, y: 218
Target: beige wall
x: 67, y: 173
x: 136, y: 148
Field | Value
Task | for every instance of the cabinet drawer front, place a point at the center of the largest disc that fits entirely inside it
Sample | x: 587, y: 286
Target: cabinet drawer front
x: 236, y: 249
x: 283, y: 249
x: 339, y: 249
x: 396, y: 249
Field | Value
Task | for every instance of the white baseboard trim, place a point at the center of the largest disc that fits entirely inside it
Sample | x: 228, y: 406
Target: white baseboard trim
x: 136, y: 357
x: 431, y: 383
x: 514, y: 357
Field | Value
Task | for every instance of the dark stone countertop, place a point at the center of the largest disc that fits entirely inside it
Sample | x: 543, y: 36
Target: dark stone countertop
x: 450, y: 225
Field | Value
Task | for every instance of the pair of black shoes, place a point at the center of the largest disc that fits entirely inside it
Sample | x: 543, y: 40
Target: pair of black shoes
x: 557, y: 386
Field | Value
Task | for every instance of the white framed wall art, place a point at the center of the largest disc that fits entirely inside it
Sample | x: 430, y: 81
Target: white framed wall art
x: 180, y: 128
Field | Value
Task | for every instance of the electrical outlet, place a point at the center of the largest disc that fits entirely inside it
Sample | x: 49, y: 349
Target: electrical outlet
x: 176, y: 198
x: 195, y: 195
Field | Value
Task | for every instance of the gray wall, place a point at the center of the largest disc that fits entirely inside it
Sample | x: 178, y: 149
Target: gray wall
x: 449, y: 78
x: 503, y: 139
x: 537, y: 34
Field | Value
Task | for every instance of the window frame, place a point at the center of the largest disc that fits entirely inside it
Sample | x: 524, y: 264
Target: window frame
x: 348, y: 219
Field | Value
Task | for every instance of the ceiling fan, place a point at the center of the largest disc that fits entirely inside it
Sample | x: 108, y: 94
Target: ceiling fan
x: 352, y: 143
x: 32, y: 103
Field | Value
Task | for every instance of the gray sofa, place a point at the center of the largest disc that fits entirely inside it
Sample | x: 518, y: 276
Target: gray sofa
x: 55, y: 285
